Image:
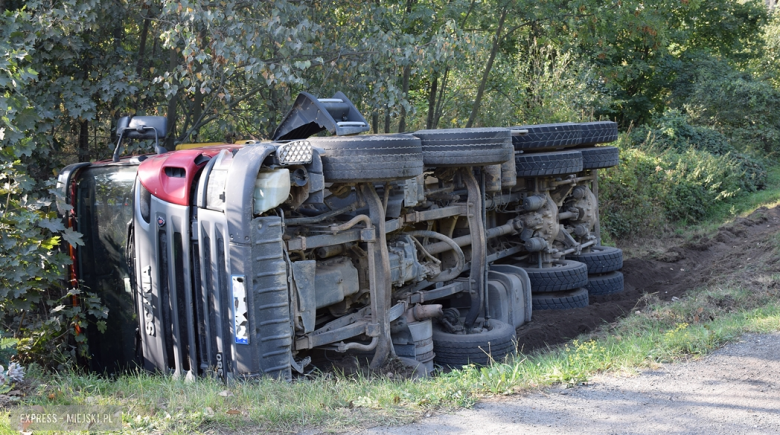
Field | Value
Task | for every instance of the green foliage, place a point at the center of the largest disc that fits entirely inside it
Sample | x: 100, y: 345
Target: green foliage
x: 640, y: 47
x: 673, y: 131
x: 31, y: 273
x: 7, y: 348
x: 628, y: 196
x: 769, y: 63
x: 737, y: 104
x: 671, y: 179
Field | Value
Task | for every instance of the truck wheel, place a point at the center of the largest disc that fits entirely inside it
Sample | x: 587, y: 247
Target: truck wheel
x: 457, y: 350
x: 547, y: 136
x: 465, y: 146
x: 370, y: 157
x: 560, y: 300
x: 600, y: 259
x: 600, y: 157
x: 553, y: 163
x: 563, y: 275
x: 606, y: 284
x: 598, y: 132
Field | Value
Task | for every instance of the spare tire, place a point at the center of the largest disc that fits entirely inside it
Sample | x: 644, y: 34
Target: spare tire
x: 593, y: 133
x: 600, y: 259
x: 369, y: 157
x: 553, y: 163
x: 561, y: 276
x: 456, y: 350
x: 600, y: 157
x: 465, y: 146
x: 560, y: 300
x: 547, y: 136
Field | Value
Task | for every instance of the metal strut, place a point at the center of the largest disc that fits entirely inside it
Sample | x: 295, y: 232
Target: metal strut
x: 381, y: 275
x: 478, y: 246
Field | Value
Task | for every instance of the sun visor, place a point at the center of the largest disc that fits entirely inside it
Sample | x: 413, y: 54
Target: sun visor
x: 310, y: 115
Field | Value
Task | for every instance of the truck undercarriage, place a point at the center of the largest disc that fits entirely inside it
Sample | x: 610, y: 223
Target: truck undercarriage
x: 241, y: 260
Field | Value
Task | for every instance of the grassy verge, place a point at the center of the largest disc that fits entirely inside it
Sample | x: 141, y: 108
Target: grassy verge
x: 662, y: 332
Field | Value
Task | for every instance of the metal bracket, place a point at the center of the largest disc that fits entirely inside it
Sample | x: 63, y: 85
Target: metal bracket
x: 372, y: 330
x: 367, y: 235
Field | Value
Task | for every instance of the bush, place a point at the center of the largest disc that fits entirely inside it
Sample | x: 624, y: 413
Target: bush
x: 673, y: 131
x: 743, y: 108
x: 628, y: 193
x: 33, y: 302
x: 656, y: 185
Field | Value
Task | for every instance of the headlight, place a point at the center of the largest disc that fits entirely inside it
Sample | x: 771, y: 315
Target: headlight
x: 294, y: 153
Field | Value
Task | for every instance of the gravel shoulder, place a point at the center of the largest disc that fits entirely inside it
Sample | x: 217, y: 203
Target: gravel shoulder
x: 733, y: 390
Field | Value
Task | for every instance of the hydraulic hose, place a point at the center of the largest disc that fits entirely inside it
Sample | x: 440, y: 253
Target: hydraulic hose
x: 322, y: 217
x: 449, y: 274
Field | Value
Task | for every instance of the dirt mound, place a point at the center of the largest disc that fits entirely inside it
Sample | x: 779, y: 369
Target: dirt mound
x: 691, y: 265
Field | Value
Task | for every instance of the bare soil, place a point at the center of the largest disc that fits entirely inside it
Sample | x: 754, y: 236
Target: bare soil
x: 666, y: 273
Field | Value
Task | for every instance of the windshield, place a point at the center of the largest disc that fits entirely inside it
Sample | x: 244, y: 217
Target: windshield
x: 104, y: 210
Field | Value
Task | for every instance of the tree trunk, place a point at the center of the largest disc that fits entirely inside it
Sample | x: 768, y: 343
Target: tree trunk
x: 440, y: 98
x: 197, y: 114
x: 173, y: 103
x: 274, y: 108
x: 142, y: 44
x: 432, y: 100
x: 375, y: 121
x: 488, y: 67
x: 387, y: 119
x: 84, y: 141
x: 405, y: 91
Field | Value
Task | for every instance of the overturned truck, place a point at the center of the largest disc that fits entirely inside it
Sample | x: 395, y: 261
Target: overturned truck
x: 243, y: 260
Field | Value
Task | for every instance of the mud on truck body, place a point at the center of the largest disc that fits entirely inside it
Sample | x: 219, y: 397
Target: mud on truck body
x: 241, y: 260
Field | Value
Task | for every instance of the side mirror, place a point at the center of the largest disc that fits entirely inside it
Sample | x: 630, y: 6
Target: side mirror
x: 143, y: 128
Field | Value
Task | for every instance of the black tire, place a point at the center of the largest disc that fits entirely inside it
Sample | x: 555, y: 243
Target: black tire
x: 370, y: 157
x: 465, y: 146
x: 598, y: 132
x: 553, y: 163
x: 600, y: 259
x: 607, y: 284
x: 600, y: 157
x: 560, y: 300
x: 563, y: 275
x: 547, y: 136
x: 457, y: 350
